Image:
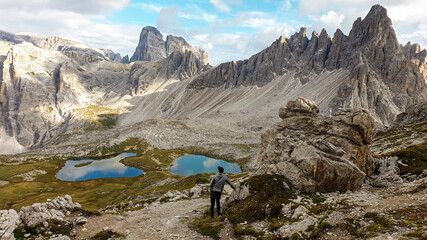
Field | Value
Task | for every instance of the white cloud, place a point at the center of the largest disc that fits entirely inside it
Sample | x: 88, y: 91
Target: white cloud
x: 167, y: 20
x: 285, y: 5
x: 203, y: 16
x: 220, y: 6
x: 251, y: 19
x: 150, y: 7
x: 330, y: 21
x: 77, y: 6
x: 238, y: 46
x: 72, y: 25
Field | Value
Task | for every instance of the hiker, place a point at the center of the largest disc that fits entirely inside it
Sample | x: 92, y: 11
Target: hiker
x: 216, y: 186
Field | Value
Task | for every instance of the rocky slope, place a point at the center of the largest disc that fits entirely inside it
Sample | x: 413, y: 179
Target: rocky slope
x: 152, y: 47
x: 381, y: 79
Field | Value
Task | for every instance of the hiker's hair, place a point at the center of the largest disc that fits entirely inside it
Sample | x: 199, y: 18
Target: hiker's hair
x: 220, y: 169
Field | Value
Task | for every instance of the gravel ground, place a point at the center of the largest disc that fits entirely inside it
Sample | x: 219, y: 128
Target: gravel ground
x: 162, y: 221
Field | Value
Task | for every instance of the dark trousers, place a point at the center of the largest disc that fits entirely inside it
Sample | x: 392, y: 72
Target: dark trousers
x: 215, y: 196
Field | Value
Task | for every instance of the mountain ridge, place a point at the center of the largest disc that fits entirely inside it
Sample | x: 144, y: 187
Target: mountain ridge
x: 76, y: 88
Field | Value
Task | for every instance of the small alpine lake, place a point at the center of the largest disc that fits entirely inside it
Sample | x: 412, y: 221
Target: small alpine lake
x: 79, y: 170
x: 194, y: 164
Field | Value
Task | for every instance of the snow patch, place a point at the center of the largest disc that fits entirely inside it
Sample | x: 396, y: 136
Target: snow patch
x: 8, y: 144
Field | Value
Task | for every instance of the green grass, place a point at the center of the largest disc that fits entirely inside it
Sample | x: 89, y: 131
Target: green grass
x: 83, y: 164
x: 107, y: 234
x: 154, y: 159
x: 135, y: 145
x: 206, y: 226
x: 414, y: 156
x: 97, y: 117
x: 265, y: 190
x: 98, y: 193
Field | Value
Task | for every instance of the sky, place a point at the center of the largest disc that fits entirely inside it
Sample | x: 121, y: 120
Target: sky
x: 227, y: 29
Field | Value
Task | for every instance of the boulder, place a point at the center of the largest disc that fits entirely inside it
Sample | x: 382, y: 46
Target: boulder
x: 286, y: 231
x: 317, y: 153
x: 300, y: 211
x: 42, y: 213
x: 387, y: 173
x: 300, y: 107
x: 9, y: 220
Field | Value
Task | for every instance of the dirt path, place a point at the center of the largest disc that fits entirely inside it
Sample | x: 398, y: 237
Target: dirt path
x: 163, y: 221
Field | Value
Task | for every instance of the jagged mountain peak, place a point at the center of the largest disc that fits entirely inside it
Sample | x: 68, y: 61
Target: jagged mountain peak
x: 151, y: 29
x: 380, y: 78
x: 152, y: 47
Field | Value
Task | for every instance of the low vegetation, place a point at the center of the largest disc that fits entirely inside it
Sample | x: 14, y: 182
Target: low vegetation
x: 268, y: 194
x: 108, y: 234
x: 83, y: 164
x: 414, y: 157
x: 207, y: 226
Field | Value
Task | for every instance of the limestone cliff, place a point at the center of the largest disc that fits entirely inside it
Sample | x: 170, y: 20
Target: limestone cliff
x: 152, y: 47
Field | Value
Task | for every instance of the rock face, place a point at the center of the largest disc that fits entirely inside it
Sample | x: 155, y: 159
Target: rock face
x: 381, y: 79
x: 57, y: 209
x: 414, y: 114
x: 9, y: 220
x: 178, y: 65
x: 317, y: 153
x: 152, y: 47
x: 40, y: 89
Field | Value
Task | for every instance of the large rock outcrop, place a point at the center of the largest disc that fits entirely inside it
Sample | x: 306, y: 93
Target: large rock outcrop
x: 317, y: 153
x: 152, y: 47
x: 57, y: 209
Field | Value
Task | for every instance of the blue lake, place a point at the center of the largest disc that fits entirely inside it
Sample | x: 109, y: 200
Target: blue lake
x: 194, y: 164
x: 105, y: 168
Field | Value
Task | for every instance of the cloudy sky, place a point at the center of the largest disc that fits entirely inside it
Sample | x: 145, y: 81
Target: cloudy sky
x: 227, y: 29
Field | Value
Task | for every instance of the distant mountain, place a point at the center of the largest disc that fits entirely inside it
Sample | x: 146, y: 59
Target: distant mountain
x: 380, y: 78
x: 152, y: 47
x: 58, y: 44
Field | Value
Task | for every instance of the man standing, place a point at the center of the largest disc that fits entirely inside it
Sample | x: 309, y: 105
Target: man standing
x: 216, y: 186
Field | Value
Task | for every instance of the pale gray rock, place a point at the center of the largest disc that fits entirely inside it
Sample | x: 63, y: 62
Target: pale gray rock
x: 300, y: 107
x: 152, y: 47
x: 287, y: 210
x: 300, y: 211
x: 317, y: 153
x: 196, y: 191
x: 386, y: 174
x: 42, y: 213
x: 286, y: 230
x: 60, y: 238
x: 9, y: 220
